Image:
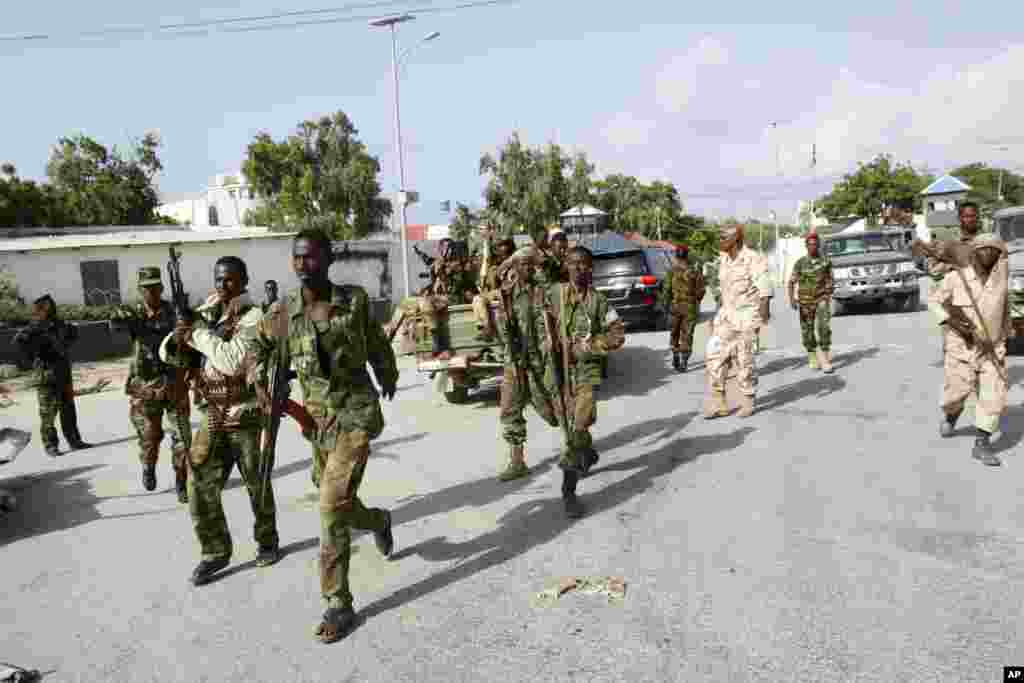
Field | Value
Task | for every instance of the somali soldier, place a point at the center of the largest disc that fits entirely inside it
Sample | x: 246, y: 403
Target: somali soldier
x: 270, y: 294
x: 810, y: 292
x: 554, y: 246
x: 746, y: 290
x: 150, y: 383
x: 681, y: 296
x: 489, y: 288
x: 588, y: 329
x: 972, y: 306
x: 229, y: 434
x: 47, y: 341
x: 330, y: 337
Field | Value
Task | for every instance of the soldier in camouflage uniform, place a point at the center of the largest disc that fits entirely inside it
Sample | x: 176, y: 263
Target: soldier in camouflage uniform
x: 47, y: 341
x: 452, y: 283
x: 937, y: 269
x: 489, y: 289
x: 330, y: 338
x: 681, y: 296
x: 809, y: 291
x: 151, y: 382
x: 229, y: 433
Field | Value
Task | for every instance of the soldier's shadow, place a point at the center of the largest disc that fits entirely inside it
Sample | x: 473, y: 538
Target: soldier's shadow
x: 817, y: 387
x: 537, y: 522
x: 635, y: 371
x: 1012, y: 428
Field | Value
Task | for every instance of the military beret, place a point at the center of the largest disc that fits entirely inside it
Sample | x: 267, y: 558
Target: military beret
x: 682, y: 250
x: 149, y: 275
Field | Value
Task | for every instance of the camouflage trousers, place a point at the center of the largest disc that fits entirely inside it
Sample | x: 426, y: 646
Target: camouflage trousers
x: 978, y: 375
x: 520, y: 389
x: 684, y: 322
x: 736, y: 348
x: 212, y: 457
x: 58, y: 400
x: 341, y: 473
x: 151, y: 418
x: 816, y: 325
x: 482, y: 308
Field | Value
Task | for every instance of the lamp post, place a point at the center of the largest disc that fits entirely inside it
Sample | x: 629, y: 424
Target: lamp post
x: 391, y: 22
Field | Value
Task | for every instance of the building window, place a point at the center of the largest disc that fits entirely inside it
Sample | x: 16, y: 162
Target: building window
x: 100, y: 283
x: 213, y: 217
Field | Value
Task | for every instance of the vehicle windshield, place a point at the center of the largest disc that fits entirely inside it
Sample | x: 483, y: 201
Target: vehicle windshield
x: 618, y: 265
x: 861, y: 244
x: 1010, y: 228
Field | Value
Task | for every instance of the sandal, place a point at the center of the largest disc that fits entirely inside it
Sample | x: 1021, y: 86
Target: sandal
x: 335, y: 624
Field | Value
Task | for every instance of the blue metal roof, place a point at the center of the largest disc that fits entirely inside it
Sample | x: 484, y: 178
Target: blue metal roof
x: 947, y: 184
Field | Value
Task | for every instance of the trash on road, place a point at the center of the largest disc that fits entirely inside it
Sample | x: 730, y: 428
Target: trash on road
x: 611, y: 586
x: 15, y: 674
x: 12, y: 442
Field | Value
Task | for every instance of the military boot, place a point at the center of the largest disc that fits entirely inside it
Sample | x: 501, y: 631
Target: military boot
x: 52, y: 451
x: 181, y: 484
x: 948, y: 425
x: 574, y: 509
x: 516, y: 467
x: 812, y: 360
x: 746, y: 406
x: 716, y: 406
x: 676, y: 361
x: 684, y: 359
x: 983, y: 450
x: 149, y: 476
x: 825, y: 358
x: 205, y: 570
x: 439, y: 345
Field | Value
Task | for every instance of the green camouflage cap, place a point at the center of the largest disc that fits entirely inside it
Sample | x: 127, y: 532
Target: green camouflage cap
x: 149, y: 275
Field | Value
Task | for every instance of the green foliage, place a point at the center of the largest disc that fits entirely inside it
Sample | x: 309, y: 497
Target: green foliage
x: 8, y: 287
x: 88, y: 185
x: 985, y: 184
x: 14, y: 313
x: 645, y: 208
x: 321, y: 177
x: 872, y: 188
x: 463, y: 223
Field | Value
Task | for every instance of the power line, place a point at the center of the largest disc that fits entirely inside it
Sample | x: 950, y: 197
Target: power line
x: 201, y: 28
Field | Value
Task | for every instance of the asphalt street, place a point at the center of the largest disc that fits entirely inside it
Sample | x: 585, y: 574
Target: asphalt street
x: 833, y: 536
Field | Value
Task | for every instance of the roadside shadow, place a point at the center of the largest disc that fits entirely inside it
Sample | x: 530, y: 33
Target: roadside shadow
x: 649, y: 430
x: 537, y: 522
x: 286, y: 550
x: 635, y: 371
x: 815, y: 387
x: 845, y: 360
x: 1013, y: 433
x: 111, y: 442
x: 49, y: 501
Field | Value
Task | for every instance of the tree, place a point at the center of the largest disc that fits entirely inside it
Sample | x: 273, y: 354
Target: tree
x: 873, y: 188
x: 529, y: 188
x: 463, y: 223
x: 97, y: 186
x: 985, y: 186
x: 321, y: 176
x: 26, y: 204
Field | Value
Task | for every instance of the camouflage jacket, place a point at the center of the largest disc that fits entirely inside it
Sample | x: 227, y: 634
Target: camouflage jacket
x: 454, y: 279
x: 683, y: 288
x: 330, y: 361
x: 47, y: 344
x: 525, y: 346
x: 551, y: 270
x: 812, y: 279
x: 224, y: 334
x: 588, y: 327
x: 147, y: 331
x: 744, y: 282
x: 937, y: 269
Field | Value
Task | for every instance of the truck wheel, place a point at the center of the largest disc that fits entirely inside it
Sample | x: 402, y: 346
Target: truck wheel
x: 458, y: 395
x: 837, y: 307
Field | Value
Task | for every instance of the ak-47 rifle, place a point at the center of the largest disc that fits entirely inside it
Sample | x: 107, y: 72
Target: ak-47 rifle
x: 188, y: 360
x: 559, y: 363
x: 427, y: 260
x: 279, y: 389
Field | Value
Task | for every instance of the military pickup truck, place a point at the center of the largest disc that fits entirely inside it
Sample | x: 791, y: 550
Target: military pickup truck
x: 1008, y: 225
x: 874, y: 266
x: 471, y: 362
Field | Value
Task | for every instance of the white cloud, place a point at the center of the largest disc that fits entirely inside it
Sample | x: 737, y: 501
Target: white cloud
x: 678, y: 82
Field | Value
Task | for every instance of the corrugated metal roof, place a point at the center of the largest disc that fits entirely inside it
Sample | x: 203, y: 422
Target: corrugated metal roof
x: 116, y: 239
x: 945, y: 185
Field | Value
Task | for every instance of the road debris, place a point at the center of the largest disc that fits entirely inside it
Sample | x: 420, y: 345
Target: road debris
x: 611, y: 586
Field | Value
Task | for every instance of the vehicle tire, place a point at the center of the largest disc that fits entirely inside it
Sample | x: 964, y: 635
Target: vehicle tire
x: 838, y: 308
x: 913, y: 302
x: 458, y: 395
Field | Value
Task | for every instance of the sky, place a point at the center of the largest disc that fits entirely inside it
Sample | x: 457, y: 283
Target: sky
x: 683, y: 92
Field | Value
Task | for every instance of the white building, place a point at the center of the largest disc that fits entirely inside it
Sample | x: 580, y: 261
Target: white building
x: 100, y: 265
x: 223, y: 204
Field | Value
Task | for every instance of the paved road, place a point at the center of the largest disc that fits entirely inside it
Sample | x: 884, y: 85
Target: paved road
x: 831, y: 537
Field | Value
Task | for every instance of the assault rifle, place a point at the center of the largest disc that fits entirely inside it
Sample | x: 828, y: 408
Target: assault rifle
x: 427, y: 260
x: 188, y: 360
x: 559, y: 363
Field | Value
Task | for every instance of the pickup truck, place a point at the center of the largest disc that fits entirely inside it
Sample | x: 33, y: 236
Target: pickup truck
x: 471, y: 362
x: 874, y: 266
x: 1008, y: 225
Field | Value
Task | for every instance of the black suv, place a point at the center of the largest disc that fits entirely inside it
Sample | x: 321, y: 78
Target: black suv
x: 631, y: 280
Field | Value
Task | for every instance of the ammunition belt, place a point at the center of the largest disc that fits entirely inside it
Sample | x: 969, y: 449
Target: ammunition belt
x: 220, y: 395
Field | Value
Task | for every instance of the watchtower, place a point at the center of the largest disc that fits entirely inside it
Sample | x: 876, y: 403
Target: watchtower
x: 942, y: 202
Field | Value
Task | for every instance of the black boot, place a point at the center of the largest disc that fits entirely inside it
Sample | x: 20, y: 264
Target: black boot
x: 948, y: 425
x: 149, y: 477
x: 684, y: 359
x: 205, y: 570
x: 676, y: 361
x: 573, y: 507
x: 438, y: 343
x: 52, y: 451
x: 983, y: 450
x: 181, y: 484
x: 384, y: 539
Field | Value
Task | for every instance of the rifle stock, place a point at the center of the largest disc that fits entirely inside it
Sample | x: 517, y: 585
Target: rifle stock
x: 560, y: 367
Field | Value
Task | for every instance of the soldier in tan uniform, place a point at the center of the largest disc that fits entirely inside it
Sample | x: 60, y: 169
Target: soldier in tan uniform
x: 746, y: 289
x: 972, y: 306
